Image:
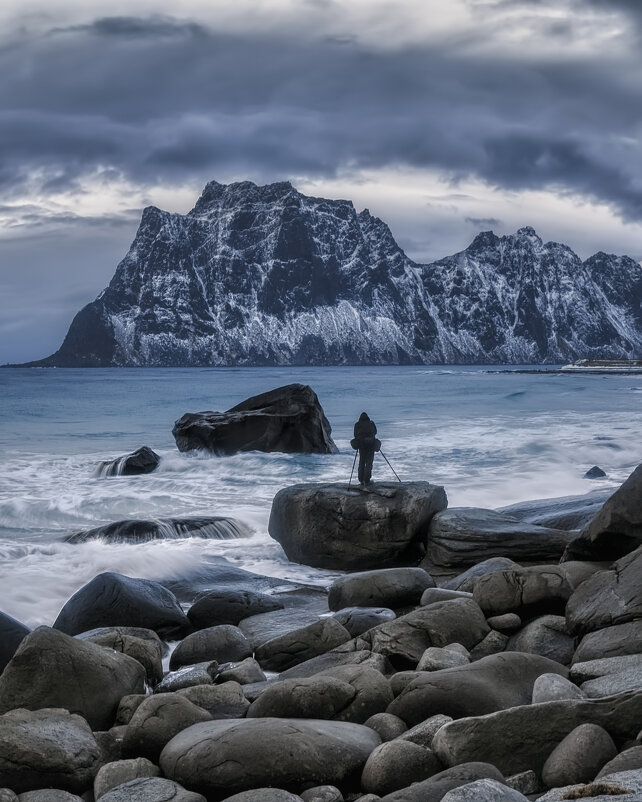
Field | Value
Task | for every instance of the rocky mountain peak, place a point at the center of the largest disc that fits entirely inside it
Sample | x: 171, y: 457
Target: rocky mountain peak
x: 264, y: 275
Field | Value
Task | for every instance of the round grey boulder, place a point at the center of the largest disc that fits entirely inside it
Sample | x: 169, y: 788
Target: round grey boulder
x: 397, y: 764
x: 7, y: 795
x: 553, y: 687
x: 360, y: 619
x: 435, y: 788
x: 220, y: 701
x: 386, y: 725
x: 546, y: 636
x: 315, y: 697
x: 508, y: 622
x: 264, y: 795
x: 121, y: 771
x: 151, y: 789
x: 226, y: 606
x: 187, y: 676
x: 224, y: 643
x: 484, y: 791
x: 158, y: 719
x: 388, y: 587
x: 579, y: 757
x: 245, y: 672
x: 143, y: 645
x: 322, y: 793
x: 299, y: 645
x: 49, y: 795
x: 372, y: 692
x: 50, y: 669
x: 49, y: 748
x: 435, y: 658
x: 220, y: 758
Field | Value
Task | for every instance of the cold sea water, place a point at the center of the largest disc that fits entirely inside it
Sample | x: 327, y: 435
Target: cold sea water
x: 491, y: 438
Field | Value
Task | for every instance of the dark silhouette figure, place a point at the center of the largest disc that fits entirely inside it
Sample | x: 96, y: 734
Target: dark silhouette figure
x: 366, y: 443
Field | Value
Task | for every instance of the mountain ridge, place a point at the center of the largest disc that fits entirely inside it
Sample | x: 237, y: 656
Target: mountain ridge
x: 264, y: 275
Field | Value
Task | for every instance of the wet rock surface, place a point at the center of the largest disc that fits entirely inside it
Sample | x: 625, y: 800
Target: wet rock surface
x: 339, y: 527
x: 288, y: 419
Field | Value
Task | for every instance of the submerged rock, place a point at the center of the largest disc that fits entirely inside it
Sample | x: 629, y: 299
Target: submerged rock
x: 143, y: 460
x: 337, y: 527
x: 288, y: 419
x: 139, y: 530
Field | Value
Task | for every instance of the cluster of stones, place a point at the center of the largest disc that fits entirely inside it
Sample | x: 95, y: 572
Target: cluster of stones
x: 505, y: 680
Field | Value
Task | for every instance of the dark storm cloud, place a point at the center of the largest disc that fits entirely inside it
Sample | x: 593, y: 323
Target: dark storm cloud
x: 484, y: 222
x: 171, y: 101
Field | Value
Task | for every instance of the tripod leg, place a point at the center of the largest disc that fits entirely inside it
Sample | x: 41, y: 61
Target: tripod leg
x: 354, y: 462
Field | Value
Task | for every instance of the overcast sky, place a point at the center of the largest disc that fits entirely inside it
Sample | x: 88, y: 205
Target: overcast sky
x: 443, y: 117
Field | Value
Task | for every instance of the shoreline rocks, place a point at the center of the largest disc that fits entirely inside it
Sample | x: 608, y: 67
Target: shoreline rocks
x: 384, y: 687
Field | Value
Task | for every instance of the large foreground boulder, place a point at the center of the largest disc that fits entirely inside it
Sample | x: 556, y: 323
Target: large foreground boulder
x: 220, y: 758
x: 114, y: 600
x: 616, y: 529
x: 143, y: 460
x: 492, y: 683
x: 47, y: 749
x: 463, y: 536
x: 337, y: 527
x: 51, y: 669
x: 140, y: 530
x: 288, y: 419
x: 522, y: 738
x: 608, y: 597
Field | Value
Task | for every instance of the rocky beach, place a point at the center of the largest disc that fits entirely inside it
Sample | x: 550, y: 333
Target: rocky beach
x: 460, y: 653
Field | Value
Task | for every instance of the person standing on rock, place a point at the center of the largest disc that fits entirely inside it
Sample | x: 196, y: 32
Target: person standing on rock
x: 366, y: 444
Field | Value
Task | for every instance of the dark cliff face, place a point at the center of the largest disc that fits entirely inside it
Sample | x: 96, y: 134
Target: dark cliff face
x: 268, y: 276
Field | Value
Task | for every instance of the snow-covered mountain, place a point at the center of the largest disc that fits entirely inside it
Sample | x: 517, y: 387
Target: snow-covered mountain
x: 267, y: 276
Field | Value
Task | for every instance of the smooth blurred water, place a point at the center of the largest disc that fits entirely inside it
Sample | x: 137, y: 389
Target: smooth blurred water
x: 490, y: 438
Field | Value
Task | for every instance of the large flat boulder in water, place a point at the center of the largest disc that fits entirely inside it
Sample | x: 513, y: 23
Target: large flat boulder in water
x: 137, y: 530
x: 288, y: 419
x: 220, y: 758
x: 565, y: 512
x: 616, y: 529
x: 337, y: 527
x: 463, y: 536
